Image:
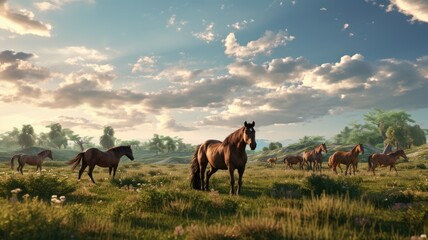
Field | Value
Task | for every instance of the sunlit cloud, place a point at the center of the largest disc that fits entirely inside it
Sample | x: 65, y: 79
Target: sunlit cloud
x: 240, y: 25
x: 56, y: 4
x: 173, y: 22
x: 416, y: 9
x: 207, y: 35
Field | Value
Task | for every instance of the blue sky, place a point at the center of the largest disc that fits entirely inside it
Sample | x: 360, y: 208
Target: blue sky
x: 199, y: 69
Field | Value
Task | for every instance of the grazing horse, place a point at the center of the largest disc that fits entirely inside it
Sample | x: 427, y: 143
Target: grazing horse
x: 347, y: 158
x: 31, y: 160
x: 271, y: 161
x: 93, y: 156
x: 227, y: 155
x: 291, y: 160
x: 383, y: 160
x: 314, y: 157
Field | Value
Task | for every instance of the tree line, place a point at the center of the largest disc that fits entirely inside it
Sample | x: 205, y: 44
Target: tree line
x: 59, y: 137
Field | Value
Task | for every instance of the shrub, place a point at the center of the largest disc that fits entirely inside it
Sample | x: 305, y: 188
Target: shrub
x: 340, y: 186
x: 421, y: 166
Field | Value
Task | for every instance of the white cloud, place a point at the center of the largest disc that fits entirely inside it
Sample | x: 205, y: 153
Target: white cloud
x: 417, y: 9
x: 323, y: 9
x: 145, y: 64
x: 56, y: 4
x: 207, y: 35
x: 166, y: 122
x: 76, y: 54
x: 22, y: 21
x: 263, y: 45
x: 174, y: 23
x: 240, y: 25
x: 345, y: 26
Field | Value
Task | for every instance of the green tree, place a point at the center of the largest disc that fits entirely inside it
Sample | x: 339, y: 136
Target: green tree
x: 275, y: 145
x: 57, y: 135
x: 157, y: 144
x: 10, y: 139
x: 170, y: 144
x: 388, y: 119
x: 417, y: 135
x: 78, y: 140
x: 27, y: 136
x: 107, y: 140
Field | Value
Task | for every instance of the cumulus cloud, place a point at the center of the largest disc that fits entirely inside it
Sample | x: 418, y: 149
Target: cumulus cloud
x: 207, y: 35
x: 165, y: 121
x: 416, y: 9
x: 71, y: 122
x: 145, y: 64
x: 182, y: 75
x: 240, y: 25
x: 77, y: 54
x: 263, y: 45
x: 22, y: 21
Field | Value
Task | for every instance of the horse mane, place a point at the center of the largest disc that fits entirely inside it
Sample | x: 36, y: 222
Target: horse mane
x: 233, y: 138
x: 118, y: 148
x: 43, y: 152
x: 399, y: 151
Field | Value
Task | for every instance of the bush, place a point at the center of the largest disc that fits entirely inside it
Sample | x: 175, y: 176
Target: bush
x: 421, y: 166
x: 340, y: 186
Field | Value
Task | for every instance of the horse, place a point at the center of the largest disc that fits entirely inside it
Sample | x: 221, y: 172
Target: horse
x: 314, y: 157
x: 347, y: 158
x: 271, y: 160
x: 31, y: 160
x: 291, y: 160
x: 380, y: 159
x: 93, y: 156
x: 227, y: 155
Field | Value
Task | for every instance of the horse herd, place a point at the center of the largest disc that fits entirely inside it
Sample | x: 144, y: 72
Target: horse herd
x: 313, y: 159
x: 228, y: 154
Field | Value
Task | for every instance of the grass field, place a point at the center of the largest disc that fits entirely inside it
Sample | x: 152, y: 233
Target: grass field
x: 154, y: 201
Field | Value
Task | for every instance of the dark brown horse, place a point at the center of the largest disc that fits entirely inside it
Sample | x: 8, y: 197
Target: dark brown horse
x: 314, y: 157
x: 347, y: 158
x: 383, y: 160
x: 93, y: 156
x: 31, y: 160
x: 292, y: 160
x: 227, y: 155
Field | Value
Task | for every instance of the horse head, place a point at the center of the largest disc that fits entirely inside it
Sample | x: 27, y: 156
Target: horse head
x: 403, y: 154
x: 50, y: 154
x: 129, y: 153
x: 360, y: 148
x: 250, y: 135
x: 323, y: 148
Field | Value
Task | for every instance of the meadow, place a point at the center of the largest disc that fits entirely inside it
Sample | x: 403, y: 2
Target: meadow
x: 154, y: 201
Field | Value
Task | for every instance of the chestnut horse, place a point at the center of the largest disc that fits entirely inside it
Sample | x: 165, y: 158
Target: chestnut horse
x: 31, y: 160
x: 383, y: 160
x: 347, y: 158
x: 271, y: 160
x: 291, y: 160
x: 314, y: 157
x: 227, y: 155
x: 93, y: 156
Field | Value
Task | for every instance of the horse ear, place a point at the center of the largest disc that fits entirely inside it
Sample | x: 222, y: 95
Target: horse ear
x: 254, y: 124
x: 245, y: 124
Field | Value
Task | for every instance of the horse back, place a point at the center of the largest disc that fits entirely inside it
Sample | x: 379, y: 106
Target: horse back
x: 212, y: 152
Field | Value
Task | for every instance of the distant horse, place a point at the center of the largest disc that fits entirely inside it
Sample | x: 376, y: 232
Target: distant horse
x: 93, y: 156
x: 314, y: 157
x: 347, y: 158
x: 271, y: 161
x: 291, y: 160
x: 31, y: 160
x: 227, y: 155
x: 383, y: 160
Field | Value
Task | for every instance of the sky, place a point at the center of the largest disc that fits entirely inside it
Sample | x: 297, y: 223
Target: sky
x: 199, y: 69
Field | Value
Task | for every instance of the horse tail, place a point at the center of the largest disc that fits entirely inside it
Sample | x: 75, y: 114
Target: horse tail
x: 75, y: 161
x: 195, y: 179
x: 370, y: 162
x: 285, y: 159
x: 13, y: 158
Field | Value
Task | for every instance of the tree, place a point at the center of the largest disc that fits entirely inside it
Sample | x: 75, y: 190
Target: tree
x: 78, y: 140
x: 169, y: 144
x: 10, y: 139
x: 27, y: 136
x: 156, y: 143
x: 107, y: 140
x: 275, y: 145
x: 57, y: 135
x: 418, y: 136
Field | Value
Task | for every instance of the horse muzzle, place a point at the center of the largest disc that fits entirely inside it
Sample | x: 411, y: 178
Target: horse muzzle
x: 253, y: 146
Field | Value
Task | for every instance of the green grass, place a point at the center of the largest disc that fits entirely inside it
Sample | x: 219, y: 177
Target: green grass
x: 148, y: 200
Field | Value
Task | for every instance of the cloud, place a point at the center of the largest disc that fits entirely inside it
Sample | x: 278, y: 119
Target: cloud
x: 207, y: 35
x: 323, y: 9
x: 22, y: 21
x: 182, y: 75
x: 263, y: 45
x: 56, y: 4
x: 174, y: 23
x: 167, y: 122
x: 345, y: 26
x: 77, y: 54
x: 71, y: 122
x: 240, y: 25
x: 417, y: 9
x: 145, y: 64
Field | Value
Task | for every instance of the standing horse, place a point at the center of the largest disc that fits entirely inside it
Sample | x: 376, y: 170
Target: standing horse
x: 93, y: 156
x: 291, y: 160
x: 31, y: 160
x: 314, y: 157
x: 227, y: 155
x: 383, y: 160
x: 347, y: 158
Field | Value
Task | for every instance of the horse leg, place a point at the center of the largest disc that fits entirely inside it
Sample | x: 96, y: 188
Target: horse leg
x: 114, y: 171
x: 109, y: 170
x: 346, y: 170
x: 203, y: 167
x: 395, y: 169
x: 209, y: 174
x: 240, y: 174
x: 21, y: 166
x: 232, y: 180
x: 91, y: 169
x: 82, y: 169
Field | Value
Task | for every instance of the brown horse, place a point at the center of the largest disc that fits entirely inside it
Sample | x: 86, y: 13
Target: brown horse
x: 31, y: 160
x: 292, y: 160
x: 383, y: 160
x: 227, y: 155
x: 271, y: 160
x: 93, y: 156
x: 347, y: 158
x: 314, y: 157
